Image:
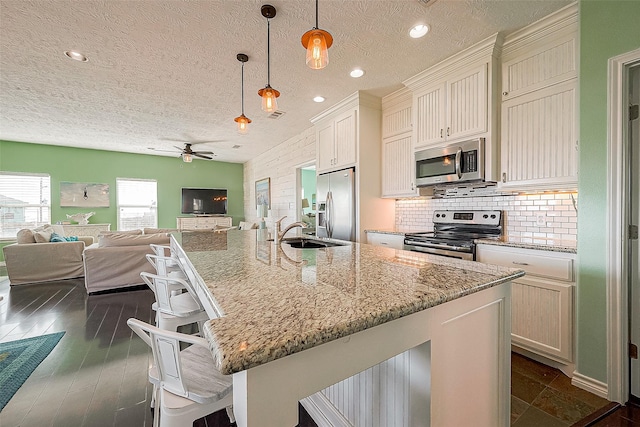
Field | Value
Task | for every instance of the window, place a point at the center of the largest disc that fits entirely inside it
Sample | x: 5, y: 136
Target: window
x: 137, y: 203
x: 25, y: 202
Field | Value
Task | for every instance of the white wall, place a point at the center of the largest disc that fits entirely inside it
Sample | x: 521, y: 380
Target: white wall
x: 520, y: 210
x: 279, y: 164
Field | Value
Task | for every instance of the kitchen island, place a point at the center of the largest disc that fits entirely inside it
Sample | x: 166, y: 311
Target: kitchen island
x: 287, y: 323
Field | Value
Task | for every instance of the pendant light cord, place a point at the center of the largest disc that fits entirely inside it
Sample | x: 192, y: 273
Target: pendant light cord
x: 317, y: 14
x: 242, y: 90
x: 268, y: 52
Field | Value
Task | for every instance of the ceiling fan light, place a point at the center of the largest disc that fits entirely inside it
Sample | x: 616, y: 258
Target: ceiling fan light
x: 243, y: 123
x: 269, y: 95
x: 317, y: 43
x: 187, y: 158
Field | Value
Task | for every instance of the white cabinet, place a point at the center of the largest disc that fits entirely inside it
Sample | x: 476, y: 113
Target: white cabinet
x: 457, y: 100
x: 542, y: 302
x: 539, y: 102
x: 395, y: 241
x: 337, y: 142
x: 452, y: 110
x: 203, y: 222
x: 398, y: 166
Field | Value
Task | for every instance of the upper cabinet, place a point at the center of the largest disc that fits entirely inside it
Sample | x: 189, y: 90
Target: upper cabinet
x: 457, y: 100
x: 451, y: 110
x: 336, y: 141
x: 539, y: 101
x: 398, y: 176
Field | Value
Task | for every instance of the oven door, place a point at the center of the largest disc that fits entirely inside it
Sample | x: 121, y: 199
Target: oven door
x: 440, y: 250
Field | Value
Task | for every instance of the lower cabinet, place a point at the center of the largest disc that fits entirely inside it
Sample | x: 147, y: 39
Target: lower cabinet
x: 203, y: 222
x: 542, y: 302
x: 395, y: 241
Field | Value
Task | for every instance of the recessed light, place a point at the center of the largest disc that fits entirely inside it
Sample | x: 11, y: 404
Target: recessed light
x: 356, y: 73
x: 419, y: 31
x: 318, y: 99
x: 77, y: 56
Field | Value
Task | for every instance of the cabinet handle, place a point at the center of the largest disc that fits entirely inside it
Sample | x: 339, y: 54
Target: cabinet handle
x: 520, y: 263
x: 504, y: 177
x: 413, y: 186
x: 441, y: 133
x: 384, y: 243
x: 505, y: 93
x: 448, y: 131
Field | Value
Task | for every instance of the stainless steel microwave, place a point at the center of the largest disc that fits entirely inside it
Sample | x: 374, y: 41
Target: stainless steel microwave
x: 459, y: 162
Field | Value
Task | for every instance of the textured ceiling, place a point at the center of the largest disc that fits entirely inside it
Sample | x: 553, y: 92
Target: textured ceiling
x: 161, y: 70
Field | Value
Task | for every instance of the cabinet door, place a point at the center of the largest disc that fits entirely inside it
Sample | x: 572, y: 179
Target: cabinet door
x: 429, y: 116
x: 467, y: 104
x: 325, y: 143
x: 398, y: 167
x: 345, y: 139
x: 395, y: 241
x: 539, y: 144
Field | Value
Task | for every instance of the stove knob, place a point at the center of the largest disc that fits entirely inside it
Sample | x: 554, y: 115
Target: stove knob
x: 443, y: 215
x: 437, y: 215
x: 493, y: 217
x: 485, y: 216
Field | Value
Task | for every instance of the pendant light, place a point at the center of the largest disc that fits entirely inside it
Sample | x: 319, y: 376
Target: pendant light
x: 317, y: 42
x: 268, y: 94
x: 242, y: 120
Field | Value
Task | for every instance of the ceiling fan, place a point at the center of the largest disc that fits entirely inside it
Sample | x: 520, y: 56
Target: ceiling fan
x: 187, y: 153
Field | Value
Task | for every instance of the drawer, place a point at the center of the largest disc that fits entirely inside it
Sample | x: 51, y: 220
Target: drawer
x: 395, y: 241
x: 553, y: 265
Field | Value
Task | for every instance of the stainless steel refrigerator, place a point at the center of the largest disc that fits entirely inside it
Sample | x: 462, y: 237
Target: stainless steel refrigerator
x: 336, y: 212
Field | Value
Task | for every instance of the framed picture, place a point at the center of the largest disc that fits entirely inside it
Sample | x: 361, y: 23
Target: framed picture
x: 263, y: 192
x: 84, y: 195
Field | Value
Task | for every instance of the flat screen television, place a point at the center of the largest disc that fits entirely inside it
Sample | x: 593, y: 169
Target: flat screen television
x: 204, y: 201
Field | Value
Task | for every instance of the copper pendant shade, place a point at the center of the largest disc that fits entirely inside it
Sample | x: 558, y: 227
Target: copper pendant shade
x: 268, y: 94
x: 242, y: 120
x: 317, y: 42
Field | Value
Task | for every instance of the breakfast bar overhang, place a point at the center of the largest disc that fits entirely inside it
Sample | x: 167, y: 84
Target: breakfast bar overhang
x: 287, y: 322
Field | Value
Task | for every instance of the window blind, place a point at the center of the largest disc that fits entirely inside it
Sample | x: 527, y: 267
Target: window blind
x: 25, y: 202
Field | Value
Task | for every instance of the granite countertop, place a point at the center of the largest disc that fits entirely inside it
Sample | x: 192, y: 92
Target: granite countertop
x: 278, y: 300
x: 542, y: 244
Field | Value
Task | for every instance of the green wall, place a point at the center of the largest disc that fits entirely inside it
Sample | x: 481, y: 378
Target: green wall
x: 607, y: 29
x: 82, y: 165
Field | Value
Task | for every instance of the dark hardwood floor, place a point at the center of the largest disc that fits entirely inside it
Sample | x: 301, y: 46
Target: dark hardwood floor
x: 97, y: 374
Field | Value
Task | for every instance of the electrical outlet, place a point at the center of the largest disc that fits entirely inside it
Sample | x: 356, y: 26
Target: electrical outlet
x: 541, y: 219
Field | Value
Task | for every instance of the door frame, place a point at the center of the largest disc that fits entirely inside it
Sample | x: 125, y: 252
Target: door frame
x: 617, y: 230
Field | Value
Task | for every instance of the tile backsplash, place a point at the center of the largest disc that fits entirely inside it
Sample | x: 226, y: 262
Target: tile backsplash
x: 539, y: 215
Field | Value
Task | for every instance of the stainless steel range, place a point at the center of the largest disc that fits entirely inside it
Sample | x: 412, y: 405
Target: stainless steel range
x: 454, y: 233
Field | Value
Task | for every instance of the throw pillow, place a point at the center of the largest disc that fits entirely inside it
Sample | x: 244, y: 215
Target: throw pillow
x: 43, y: 236
x: 25, y: 236
x: 71, y: 239
x: 55, y: 237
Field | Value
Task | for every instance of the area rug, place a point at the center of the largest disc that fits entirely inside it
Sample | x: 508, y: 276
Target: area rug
x: 18, y: 359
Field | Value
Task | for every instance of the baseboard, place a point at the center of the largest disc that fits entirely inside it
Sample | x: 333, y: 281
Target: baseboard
x: 567, y: 368
x: 589, y: 384
x: 323, y: 412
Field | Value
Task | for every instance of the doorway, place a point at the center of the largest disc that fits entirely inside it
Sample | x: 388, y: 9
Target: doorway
x: 623, y: 217
x: 306, y: 200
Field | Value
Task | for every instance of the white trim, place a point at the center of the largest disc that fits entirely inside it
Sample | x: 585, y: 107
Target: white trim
x: 589, y: 384
x: 323, y: 412
x: 616, y: 276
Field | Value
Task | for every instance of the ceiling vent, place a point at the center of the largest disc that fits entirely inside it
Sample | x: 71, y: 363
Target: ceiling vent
x: 236, y: 146
x: 276, y: 114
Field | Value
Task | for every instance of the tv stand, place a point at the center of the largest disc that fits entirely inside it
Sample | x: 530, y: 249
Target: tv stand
x: 202, y: 222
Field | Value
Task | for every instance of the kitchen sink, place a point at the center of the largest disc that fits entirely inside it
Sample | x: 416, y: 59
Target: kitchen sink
x: 310, y: 243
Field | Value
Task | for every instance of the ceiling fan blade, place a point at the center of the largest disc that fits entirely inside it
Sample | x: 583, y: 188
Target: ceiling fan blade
x: 201, y: 156
x: 162, y: 151
x: 203, y: 152
x: 181, y: 149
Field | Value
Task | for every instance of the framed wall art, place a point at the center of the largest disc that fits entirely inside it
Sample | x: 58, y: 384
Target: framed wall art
x: 263, y: 192
x: 84, y: 195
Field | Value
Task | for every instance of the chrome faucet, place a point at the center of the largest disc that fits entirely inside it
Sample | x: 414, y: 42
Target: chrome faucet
x: 279, y: 235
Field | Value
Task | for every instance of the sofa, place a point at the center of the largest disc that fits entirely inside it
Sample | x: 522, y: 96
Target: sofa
x: 118, y: 258
x: 35, y: 258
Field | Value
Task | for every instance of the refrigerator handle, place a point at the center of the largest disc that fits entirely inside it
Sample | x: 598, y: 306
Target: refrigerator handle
x: 329, y: 214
